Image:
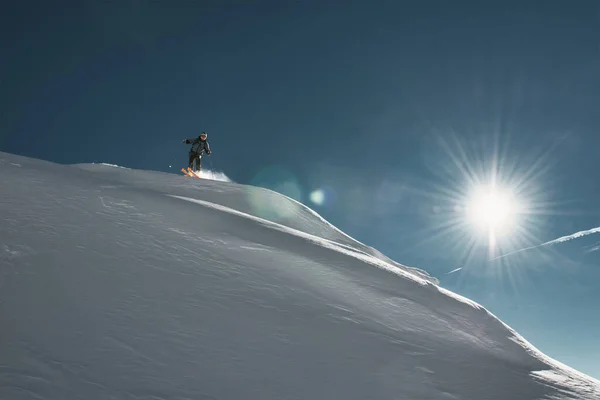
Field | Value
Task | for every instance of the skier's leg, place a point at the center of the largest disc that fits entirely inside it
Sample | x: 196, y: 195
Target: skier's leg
x: 192, y: 156
x: 199, y: 163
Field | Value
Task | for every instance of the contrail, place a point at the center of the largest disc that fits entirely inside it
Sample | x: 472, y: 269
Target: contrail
x: 559, y: 240
x: 454, y: 270
x: 593, y: 248
x: 574, y: 236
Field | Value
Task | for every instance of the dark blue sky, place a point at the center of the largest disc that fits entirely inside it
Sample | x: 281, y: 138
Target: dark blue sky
x: 384, y: 105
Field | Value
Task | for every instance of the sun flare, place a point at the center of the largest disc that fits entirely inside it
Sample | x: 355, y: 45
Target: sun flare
x: 487, y: 199
x: 493, y: 210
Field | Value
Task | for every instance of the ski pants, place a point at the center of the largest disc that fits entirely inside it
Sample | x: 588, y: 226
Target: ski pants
x: 197, y: 158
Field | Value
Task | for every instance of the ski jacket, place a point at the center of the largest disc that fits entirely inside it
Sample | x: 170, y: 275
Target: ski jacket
x: 198, y: 146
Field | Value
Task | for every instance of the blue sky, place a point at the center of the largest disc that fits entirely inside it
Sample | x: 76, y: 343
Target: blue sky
x: 393, y: 109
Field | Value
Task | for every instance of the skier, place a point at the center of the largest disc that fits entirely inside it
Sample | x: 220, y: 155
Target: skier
x: 199, y: 146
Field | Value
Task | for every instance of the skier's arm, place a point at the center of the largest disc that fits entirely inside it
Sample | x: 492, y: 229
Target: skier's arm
x: 188, y: 141
x: 207, y: 148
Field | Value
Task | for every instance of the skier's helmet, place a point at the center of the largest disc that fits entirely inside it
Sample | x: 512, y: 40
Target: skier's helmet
x: 203, y: 135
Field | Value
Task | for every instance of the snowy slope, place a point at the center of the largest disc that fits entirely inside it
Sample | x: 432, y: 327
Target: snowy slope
x: 125, y: 284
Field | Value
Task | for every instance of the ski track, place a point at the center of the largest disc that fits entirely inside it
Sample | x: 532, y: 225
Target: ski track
x: 127, y: 284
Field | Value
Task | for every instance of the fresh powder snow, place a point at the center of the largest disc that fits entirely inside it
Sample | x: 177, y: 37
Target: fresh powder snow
x: 118, y: 283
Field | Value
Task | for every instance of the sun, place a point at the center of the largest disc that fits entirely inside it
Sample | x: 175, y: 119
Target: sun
x: 493, y: 210
x: 486, y: 197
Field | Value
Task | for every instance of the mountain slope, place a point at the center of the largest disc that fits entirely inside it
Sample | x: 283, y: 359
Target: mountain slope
x: 125, y: 284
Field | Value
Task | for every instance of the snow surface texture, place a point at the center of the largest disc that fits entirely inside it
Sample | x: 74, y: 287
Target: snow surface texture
x: 204, y: 173
x: 125, y: 284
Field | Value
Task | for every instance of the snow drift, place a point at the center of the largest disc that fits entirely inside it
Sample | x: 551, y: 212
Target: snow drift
x: 125, y: 284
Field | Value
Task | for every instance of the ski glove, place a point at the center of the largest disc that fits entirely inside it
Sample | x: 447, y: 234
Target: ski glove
x: 186, y: 141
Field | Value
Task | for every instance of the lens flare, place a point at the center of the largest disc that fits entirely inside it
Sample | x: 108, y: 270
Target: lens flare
x: 280, y: 180
x: 317, y: 196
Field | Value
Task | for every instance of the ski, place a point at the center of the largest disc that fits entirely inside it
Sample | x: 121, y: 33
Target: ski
x: 185, y: 171
x: 193, y: 174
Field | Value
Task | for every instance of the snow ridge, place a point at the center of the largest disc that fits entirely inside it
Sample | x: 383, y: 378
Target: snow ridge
x: 123, y: 284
